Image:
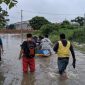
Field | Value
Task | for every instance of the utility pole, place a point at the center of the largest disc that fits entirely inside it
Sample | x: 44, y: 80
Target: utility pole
x: 6, y: 28
x: 84, y: 20
x: 21, y: 26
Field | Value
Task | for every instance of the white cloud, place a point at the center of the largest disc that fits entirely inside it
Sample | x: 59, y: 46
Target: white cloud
x: 48, y: 8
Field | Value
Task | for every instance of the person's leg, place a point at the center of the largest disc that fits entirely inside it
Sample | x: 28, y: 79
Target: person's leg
x: 65, y: 62
x: 25, y: 64
x: 32, y: 64
x: 64, y: 68
x: 62, y: 64
x: 0, y: 55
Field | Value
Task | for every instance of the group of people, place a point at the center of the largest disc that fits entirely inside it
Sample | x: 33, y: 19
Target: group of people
x: 62, y: 47
x: 43, y: 45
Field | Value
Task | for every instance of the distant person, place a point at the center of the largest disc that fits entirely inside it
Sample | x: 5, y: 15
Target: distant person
x: 27, y: 54
x: 63, y: 49
x: 1, y: 48
x: 35, y: 39
x: 40, y: 38
x: 47, y: 44
x: 39, y: 41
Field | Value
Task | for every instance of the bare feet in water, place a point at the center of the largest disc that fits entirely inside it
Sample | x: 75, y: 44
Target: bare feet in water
x: 64, y: 76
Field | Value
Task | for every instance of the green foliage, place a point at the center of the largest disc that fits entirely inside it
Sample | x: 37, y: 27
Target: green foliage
x: 67, y: 25
x: 54, y: 36
x: 37, y: 22
x: 79, y: 20
x: 68, y: 32
x: 9, y: 3
x: 65, y: 22
x: 11, y: 26
x: 73, y: 31
x: 48, y: 28
x: 37, y: 33
x: 79, y: 35
x: 4, y: 13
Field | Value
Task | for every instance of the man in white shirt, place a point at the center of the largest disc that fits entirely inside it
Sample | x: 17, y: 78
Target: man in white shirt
x: 47, y: 44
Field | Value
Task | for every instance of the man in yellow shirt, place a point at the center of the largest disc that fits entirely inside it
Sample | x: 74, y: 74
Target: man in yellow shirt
x: 63, y: 49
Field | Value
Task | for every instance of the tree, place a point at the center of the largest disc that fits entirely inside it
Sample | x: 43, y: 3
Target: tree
x: 9, y: 3
x: 3, y: 21
x: 4, y: 13
x: 79, y: 20
x: 11, y: 26
x: 66, y: 25
x: 48, y: 28
x: 37, y: 22
x: 65, y: 22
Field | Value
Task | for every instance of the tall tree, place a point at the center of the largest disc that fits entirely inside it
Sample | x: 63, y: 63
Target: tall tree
x: 79, y: 20
x: 37, y: 22
x: 4, y: 13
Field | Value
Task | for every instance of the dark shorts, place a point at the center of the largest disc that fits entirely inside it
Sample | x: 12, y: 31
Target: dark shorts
x: 62, y: 64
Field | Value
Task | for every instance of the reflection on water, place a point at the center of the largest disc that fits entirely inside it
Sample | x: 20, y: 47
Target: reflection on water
x: 1, y: 76
x: 1, y: 79
x: 28, y: 79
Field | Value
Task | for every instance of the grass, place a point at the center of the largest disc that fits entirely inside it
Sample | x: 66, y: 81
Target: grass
x: 80, y: 47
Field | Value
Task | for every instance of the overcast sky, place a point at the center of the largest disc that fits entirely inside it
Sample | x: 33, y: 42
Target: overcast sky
x: 53, y: 10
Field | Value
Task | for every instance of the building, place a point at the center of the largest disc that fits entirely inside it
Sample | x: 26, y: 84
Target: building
x: 25, y: 25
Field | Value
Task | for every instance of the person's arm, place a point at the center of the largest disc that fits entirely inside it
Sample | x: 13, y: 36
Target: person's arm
x: 34, y: 44
x: 41, y: 42
x: 49, y: 41
x: 1, y: 45
x: 21, y: 53
x: 73, y: 56
x: 56, y: 47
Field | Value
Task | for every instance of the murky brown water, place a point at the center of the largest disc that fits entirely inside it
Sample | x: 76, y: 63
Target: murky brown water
x: 46, y: 68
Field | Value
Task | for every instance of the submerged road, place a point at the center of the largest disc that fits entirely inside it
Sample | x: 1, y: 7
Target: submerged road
x: 46, y: 68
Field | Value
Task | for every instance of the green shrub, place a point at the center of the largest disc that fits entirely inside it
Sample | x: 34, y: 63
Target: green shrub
x: 67, y: 32
x: 54, y: 37
x: 79, y: 36
x: 48, y: 29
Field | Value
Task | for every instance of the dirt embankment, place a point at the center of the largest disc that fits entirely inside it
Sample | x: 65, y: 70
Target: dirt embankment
x: 15, y: 31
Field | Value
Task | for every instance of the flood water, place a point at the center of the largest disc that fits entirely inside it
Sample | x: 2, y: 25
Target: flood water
x: 46, y: 68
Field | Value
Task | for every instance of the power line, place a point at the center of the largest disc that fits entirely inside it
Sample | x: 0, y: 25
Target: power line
x: 14, y: 17
x: 47, y: 13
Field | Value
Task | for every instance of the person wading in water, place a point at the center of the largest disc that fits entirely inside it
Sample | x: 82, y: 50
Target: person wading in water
x: 63, y: 49
x: 27, y: 54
